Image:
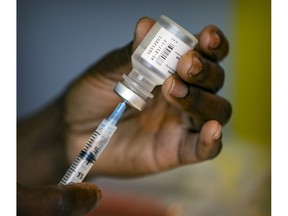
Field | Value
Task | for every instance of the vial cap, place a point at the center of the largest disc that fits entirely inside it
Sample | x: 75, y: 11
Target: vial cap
x: 129, y: 96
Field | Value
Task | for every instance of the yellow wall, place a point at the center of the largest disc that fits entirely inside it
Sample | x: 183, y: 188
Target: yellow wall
x: 252, y: 82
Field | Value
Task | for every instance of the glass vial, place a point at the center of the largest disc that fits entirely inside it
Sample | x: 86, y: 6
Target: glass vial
x: 154, y: 60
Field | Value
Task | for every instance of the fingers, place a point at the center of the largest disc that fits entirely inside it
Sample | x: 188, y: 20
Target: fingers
x: 74, y: 199
x: 199, y: 104
x: 202, y: 72
x: 79, y: 198
x: 200, y: 67
x: 198, y: 77
x: 212, y: 43
x: 203, y: 146
x: 197, y: 67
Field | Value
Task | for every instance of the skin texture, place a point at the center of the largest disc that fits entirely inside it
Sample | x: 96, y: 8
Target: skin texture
x: 181, y: 125
x: 59, y: 200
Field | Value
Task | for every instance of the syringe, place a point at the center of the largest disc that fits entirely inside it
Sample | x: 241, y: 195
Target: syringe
x: 93, y: 148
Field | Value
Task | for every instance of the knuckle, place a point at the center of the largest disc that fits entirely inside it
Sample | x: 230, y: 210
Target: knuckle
x: 203, y: 106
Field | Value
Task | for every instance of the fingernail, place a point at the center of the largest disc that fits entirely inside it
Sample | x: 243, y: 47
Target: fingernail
x: 215, y: 40
x: 178, y: 89
x: 99, y: 197
x: 196, y: 67
x: 217, y: 135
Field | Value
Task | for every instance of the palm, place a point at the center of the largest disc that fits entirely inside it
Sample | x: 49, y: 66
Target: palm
x: 146, y: 142
x: 159, y: 137
x: 149, y: 138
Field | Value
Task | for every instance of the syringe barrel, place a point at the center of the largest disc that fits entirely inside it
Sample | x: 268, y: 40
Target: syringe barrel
x: 93, y: 148
x: 89, y: 154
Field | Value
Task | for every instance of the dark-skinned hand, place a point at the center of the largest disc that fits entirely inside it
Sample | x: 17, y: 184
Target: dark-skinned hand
x: 57, y: 200
x: 181, y: 125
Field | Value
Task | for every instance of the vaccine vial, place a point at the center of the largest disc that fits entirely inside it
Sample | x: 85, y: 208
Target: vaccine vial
x: 154, y: 60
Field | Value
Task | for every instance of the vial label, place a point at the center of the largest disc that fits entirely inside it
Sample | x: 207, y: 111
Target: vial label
x: 164, y: 51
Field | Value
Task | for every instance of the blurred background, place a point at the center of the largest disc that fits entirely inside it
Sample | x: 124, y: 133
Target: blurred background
x: 57, y: 40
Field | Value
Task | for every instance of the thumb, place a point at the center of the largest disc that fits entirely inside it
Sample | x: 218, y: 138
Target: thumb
x: 142, y: 28
x: 73, y: 199
x: 79, y: 198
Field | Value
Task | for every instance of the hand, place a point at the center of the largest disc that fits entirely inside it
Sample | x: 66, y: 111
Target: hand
x: 180, y: 125
x: 74, y: 199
